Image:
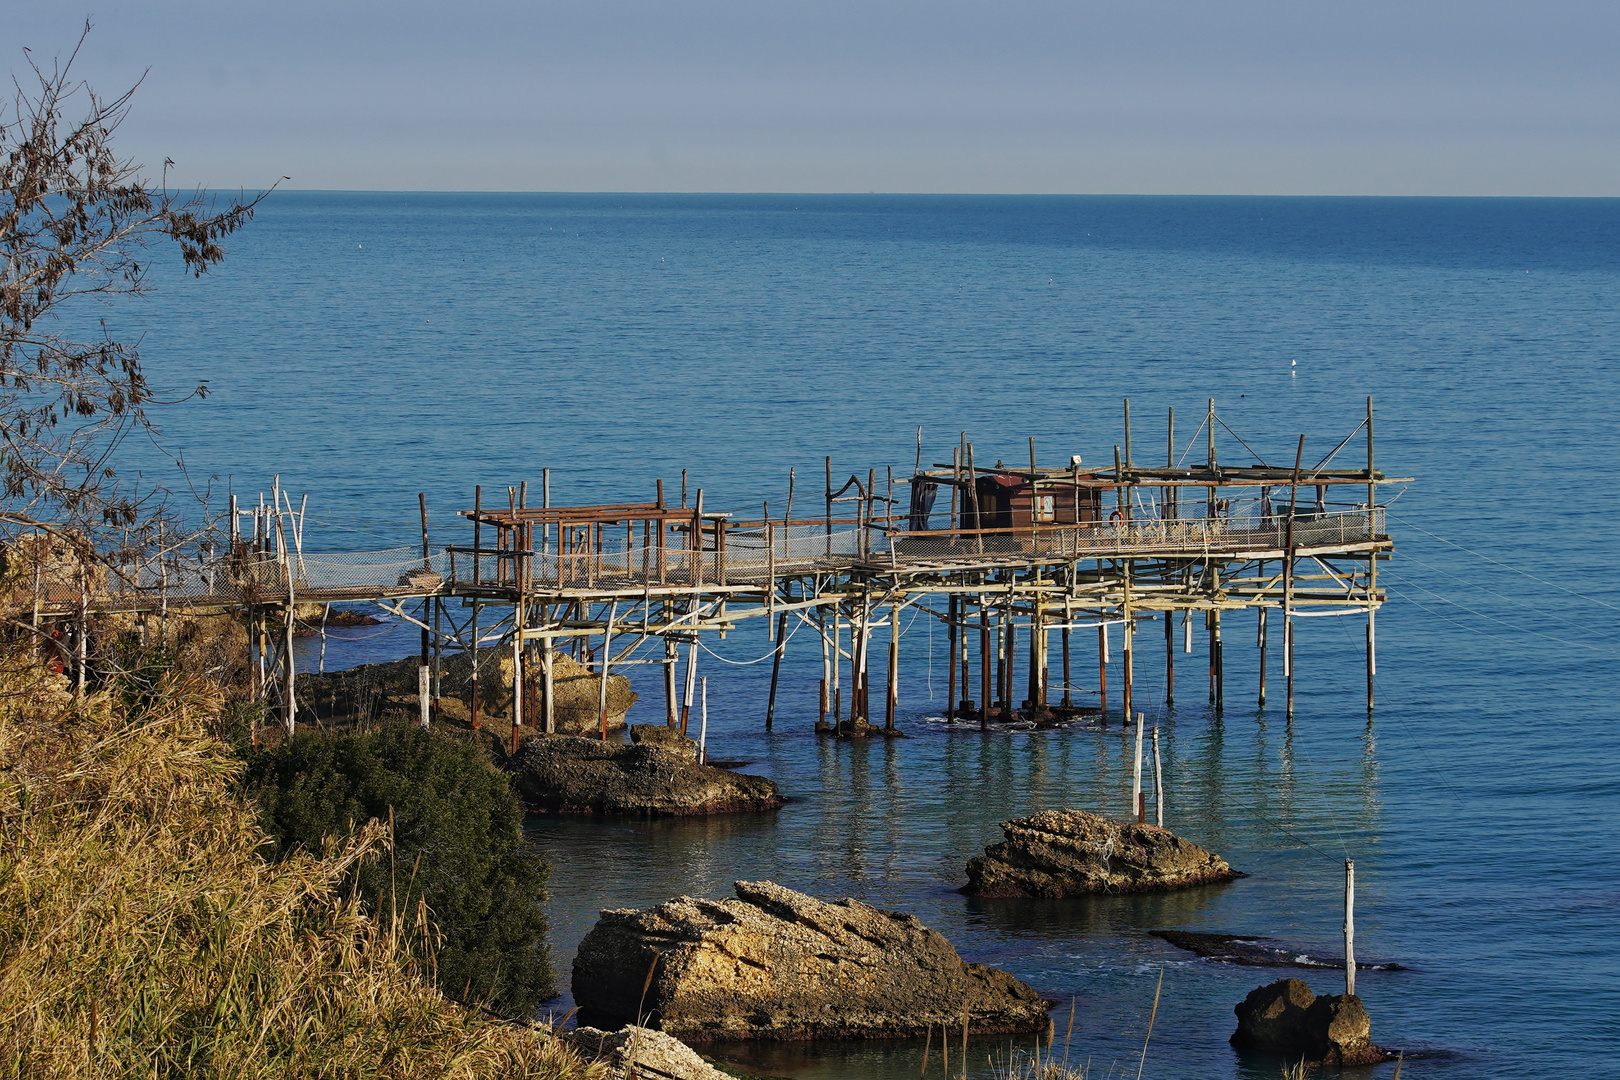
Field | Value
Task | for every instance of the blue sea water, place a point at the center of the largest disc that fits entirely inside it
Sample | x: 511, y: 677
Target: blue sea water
x: 368, y: 347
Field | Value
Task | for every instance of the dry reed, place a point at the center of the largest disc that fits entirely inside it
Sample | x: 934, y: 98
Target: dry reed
x: 142, y: 933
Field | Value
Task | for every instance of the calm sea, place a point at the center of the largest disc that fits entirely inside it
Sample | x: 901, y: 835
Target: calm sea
x: 369, y: 347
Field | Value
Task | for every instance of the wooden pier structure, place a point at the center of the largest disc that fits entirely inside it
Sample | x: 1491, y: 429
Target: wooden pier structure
x: 1005, y: 557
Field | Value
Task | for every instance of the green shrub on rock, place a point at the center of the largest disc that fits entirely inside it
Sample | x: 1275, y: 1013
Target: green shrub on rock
x: 458, y: 848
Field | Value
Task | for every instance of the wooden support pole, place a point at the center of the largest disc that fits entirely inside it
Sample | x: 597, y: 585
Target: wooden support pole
x: 826, y: 669
x: 1260, y: 643
x: 517, y: 672
x: 1169, y: 658
x: 950, y: 644
x: 1350, y: 927
x: 703, y: 723
x: 1288, y: 581
x: 1372, y: 560
x: 671, y: 662
x: 1138, y: 806
x: 776, y: 667
x: 1127, y: 663
x: 691, y: 680
x: 892, y: 697
x: 985, y: 680
x: 1158, y: 780
x: 477, y: 724
x: 1102, y: 671
x: 548, y: 696
x: 1068, y: 683
x: 1220, y: 665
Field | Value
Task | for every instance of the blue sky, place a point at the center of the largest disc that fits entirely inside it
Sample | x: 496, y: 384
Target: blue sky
x: 1243, y: 96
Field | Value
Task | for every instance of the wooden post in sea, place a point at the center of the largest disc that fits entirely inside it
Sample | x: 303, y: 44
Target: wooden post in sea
x: 548, y: 698
x: 1260, y: 643
x: 950, y: 639
x: 1220, y: 662
x: 1372, y: 560
x: 1349, y: 927
x: 776, y: 667
x: 691, y: 676
x: 826, y: 668
x: 985, y: 680
x: 1288, y: 581
x: 703, y: 724
x: 1169, y: 658
x: 1138, y: 804
x: 892, y: 698
x: 1102, y: 671
x: 1158, y: 779
x: 672, y: 661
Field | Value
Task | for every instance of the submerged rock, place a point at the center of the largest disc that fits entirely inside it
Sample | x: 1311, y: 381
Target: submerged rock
x: 633, y: 1053
x: 568, y: 775
x: 1255, y: 951
x: 1058, y: 853
x: 1286, y: 1018
x: 777, y: 964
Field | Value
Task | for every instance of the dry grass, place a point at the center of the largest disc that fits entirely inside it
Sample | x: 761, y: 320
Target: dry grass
x: 142, y: 934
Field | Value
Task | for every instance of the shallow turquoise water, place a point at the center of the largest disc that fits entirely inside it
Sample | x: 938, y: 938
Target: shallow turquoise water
x: 367, y: 347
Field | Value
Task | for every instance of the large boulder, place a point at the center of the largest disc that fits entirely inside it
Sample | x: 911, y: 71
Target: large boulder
x: 1286, y: 1018
x: 1058, y: 853
x: 570, y: 775
x: 636, y: 1053
x: 777, y: 964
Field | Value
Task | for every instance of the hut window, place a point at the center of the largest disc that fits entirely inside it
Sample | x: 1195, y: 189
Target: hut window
x: 1046, y: 508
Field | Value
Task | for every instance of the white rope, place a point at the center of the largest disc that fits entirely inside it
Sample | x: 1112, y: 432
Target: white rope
x: 745, y: 663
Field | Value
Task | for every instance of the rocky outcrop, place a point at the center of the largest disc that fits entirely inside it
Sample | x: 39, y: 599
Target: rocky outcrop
x: 570, y: 775
x: 664, y: 737
x: 1286, y: 1018
x: 636, y: 1053
x: 777, y: 964
x: 1058, y: 853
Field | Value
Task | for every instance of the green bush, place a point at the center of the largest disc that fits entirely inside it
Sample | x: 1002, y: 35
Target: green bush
x: 458, y: 846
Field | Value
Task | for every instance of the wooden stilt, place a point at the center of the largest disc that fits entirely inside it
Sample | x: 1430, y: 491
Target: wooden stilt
x: 548, y: 698
x: 1220, y: 665
x: 1288, y: 582
x: 1169, y: 658
x: 892, y: 698
x: 950, y: 645
x: 985, y: 680
x: 776, y: 667
x: 691, y: 682
x: 1068, y: 682
x: 1260, y: 643
x: 1350, y: 927
x: 1158, y: 780
x: 671, y: 663
x: 1102, y: 672
x: 1372, y: 561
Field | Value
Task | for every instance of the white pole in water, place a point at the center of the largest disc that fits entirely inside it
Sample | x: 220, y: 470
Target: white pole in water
x: 1138, y: 807
x: 1186, y: 631
x: 1350, y: 927
x: 703, y: 724
x: 1158, y: 778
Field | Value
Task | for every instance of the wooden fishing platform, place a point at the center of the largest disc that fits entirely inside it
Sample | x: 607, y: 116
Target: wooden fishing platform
x: 1004, y: 557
